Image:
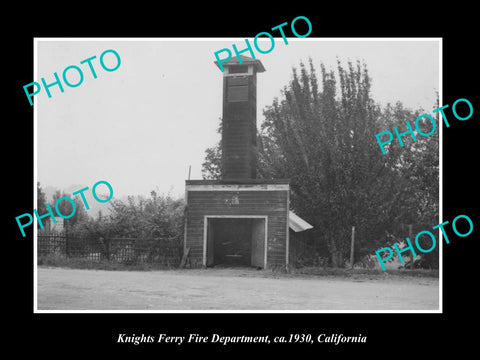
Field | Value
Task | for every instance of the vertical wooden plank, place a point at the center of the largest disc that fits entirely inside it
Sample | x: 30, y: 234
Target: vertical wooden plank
x: 287, y: 233
x: 205, y: 229
x: 258, y: 243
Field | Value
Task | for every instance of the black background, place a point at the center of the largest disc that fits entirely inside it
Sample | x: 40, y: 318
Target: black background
x: 61, y: 335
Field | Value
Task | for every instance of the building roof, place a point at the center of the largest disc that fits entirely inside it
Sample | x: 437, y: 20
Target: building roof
x: 296, y: 223
x: 237, y: 181
x: 245, y: 61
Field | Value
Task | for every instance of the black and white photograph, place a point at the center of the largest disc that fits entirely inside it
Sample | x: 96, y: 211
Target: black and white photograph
x: 248, y: 182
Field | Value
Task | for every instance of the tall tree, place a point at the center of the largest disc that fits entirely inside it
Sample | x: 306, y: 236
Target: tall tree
x: 41, y: 200
x: 321, y: 135
x: 41, y: 197
x: 211, y: 167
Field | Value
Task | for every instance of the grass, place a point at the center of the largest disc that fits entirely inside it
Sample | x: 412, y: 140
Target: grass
x: 320, y: 271
x: 55, y: 260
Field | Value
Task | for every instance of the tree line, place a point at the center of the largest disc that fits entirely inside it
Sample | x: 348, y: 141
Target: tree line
x: 157, y: 216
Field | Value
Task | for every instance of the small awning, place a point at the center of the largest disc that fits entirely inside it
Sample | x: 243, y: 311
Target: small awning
x: 297, y: 224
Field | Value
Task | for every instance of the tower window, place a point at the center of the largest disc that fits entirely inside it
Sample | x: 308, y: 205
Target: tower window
x: 241, y: 69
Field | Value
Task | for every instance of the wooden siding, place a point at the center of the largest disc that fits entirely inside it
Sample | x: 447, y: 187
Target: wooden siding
x: 239, y: 127
x: 273, y: 204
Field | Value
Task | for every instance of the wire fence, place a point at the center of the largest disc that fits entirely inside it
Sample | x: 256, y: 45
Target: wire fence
x: 124, y: 250
x: 309, y: 249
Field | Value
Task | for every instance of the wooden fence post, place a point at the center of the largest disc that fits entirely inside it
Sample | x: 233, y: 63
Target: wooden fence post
x: 410, y: 237
x: 352, y: 247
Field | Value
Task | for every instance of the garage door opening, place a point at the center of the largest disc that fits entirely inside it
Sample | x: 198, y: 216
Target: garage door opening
x: 235, y: 242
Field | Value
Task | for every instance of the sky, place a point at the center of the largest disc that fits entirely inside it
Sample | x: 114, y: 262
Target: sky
x: 141, y: 126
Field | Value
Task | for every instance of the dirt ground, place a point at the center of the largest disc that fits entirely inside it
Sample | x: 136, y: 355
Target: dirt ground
x: 229, y: 289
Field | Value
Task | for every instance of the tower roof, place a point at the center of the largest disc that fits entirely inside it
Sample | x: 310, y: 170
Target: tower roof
x: 245, y: 61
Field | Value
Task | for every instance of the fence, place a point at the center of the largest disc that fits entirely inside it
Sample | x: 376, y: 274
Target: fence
x: 161, y: 251
x: 310, y: 248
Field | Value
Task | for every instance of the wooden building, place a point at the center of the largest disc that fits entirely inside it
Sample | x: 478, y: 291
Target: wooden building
x: 239, y: 220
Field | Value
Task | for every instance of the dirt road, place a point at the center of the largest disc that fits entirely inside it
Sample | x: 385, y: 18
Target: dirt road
x: 228, y: 289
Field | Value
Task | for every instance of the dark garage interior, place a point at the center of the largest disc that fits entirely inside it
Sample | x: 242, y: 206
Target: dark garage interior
x: 235, y: 242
